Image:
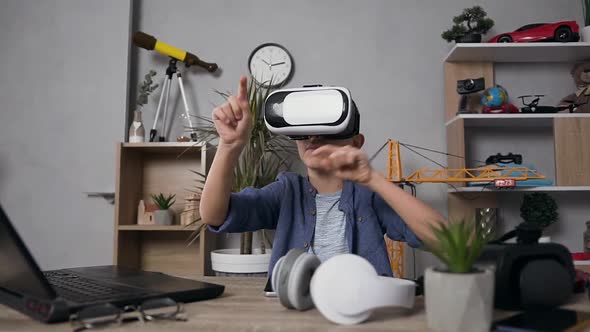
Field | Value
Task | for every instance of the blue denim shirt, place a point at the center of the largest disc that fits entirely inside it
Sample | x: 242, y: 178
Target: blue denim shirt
x: 288, y: 206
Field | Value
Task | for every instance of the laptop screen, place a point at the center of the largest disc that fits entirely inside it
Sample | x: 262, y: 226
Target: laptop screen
x: 18, y: 271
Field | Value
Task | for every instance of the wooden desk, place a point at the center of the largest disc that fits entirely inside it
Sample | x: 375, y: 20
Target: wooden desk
x: 243, y: 307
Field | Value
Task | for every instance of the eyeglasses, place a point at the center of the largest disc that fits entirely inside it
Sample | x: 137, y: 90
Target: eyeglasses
x: 107, y: 314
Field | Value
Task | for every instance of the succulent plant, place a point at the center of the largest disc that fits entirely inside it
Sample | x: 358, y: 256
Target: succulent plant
x: 163, y: 202
x: 457, y: 245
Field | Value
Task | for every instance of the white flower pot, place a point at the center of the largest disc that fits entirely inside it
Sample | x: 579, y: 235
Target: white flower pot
x: 163, y: 217
x: 585, y: 34
x: 459, y: 302
x: 229, y: 261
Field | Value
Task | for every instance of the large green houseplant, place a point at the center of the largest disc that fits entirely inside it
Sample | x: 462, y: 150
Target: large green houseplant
x: 263, y: 157
x: 468, y: 288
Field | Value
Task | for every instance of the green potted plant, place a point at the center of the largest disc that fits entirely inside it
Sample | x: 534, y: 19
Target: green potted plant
x: 265, y: 155
x: 163, y: 215
x: 469, y: 26
x: 459, y: 297
x: 136, y: 130
x: 586, y: 29
x: 539, y: 209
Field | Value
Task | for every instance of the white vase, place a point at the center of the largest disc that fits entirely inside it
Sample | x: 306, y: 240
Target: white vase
x: 585, y: 34
x: 229, y: 261
x: 459, y: 302
x: 163, y: 217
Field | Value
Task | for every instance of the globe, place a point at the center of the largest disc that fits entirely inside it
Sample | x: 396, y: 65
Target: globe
x: 494, y: 97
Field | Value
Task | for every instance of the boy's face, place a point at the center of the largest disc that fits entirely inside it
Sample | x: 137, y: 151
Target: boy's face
x: 306, y: 147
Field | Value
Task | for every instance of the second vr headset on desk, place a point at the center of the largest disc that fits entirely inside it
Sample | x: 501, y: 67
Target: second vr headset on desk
x: 315, y: 110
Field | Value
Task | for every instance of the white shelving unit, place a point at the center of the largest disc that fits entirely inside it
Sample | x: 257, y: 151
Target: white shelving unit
x: 519, y: 52
x: 513, y: 120
x: 565, y: 136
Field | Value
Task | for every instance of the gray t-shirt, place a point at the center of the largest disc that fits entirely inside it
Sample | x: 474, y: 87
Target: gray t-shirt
x: 330, y: 227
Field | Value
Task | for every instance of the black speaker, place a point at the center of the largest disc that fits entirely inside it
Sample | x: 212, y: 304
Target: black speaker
x: 530, y: 276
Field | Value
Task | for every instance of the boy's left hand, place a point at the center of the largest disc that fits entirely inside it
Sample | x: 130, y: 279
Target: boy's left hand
x: 346, y: 162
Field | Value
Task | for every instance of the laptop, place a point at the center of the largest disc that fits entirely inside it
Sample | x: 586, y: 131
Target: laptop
x: 52, y: 296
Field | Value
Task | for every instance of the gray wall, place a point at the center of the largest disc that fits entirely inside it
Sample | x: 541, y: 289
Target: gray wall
x: 63, y: 94
x: 388, y: 53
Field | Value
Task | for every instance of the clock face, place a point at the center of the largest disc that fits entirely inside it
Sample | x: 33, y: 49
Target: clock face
x: 270, y: 61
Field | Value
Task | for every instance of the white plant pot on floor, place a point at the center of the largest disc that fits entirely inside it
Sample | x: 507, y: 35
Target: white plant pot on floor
x: 585, y: 34
x: 229, y: 262
x: 459, y: 302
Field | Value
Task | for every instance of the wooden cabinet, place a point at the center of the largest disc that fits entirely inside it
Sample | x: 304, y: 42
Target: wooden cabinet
x: 150, y: 168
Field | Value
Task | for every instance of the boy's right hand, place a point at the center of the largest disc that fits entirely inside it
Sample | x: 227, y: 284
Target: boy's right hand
x: 233, y: 119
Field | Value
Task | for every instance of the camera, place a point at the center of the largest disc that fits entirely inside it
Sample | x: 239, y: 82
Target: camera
x: 470, y: 85
x: 466, y: 87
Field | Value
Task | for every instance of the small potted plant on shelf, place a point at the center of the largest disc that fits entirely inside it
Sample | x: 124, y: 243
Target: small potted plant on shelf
x: 469, y: 26
x: 459, y: 297
x: 263, y: 157
x: 163, y: 216
x: 539, y: 209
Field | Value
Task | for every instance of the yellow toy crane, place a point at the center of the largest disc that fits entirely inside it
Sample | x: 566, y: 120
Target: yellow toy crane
x: 502, y: 177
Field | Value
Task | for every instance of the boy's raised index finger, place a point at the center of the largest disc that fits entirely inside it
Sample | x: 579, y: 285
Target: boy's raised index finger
x: 243, y: 88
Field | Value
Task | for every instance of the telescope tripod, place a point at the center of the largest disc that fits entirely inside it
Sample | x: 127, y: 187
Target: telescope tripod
x: 164, y: 95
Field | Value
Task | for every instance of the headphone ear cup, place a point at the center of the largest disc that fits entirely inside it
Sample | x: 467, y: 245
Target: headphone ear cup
x: 349, y: 272
x: 299, y: 279
x: 282, y: 277
x: 275, y: 272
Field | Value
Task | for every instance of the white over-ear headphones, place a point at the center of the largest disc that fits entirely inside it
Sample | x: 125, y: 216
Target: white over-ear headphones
x: 345, y: 288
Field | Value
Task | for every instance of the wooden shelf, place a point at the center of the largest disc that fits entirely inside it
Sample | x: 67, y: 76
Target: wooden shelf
x: 513, y: 120
x: 520, y: 189
x: 162, y: 144
x: 519, y: 52
x: 164, y: 147
x: 150, y: 168
x: 177, y: 228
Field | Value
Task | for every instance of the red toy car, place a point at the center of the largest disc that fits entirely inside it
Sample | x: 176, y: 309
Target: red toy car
x: 505, y: 108
x: 566, y: 31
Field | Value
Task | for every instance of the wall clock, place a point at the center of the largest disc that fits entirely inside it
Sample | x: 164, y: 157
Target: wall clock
x: 270, y: 61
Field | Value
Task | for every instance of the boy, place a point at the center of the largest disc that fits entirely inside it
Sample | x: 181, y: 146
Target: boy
x: 342, y: 206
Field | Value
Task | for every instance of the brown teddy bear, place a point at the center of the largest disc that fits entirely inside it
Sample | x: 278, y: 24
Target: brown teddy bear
x: 581, y: 75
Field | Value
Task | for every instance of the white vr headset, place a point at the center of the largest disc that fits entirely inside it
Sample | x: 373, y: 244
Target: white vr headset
x: 312, y: 111
x: 345, y: 288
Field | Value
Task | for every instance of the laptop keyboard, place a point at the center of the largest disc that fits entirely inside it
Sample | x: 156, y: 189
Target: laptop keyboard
x: 78, y: 289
